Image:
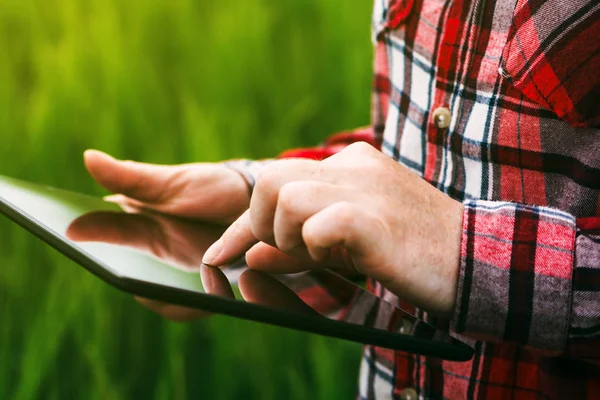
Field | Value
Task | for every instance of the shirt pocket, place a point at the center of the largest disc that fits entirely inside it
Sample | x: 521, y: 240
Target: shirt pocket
x: 552, y: 55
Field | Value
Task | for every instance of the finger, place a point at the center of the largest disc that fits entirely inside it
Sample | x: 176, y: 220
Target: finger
x: 297, y: 202
x: 266, y: 192
x: 126, y: 203
x: 342, y: 224
x: 145, y: 182
x: 260, y: 288
x: 266, y: 258
x: 129, y: 205
x: 236, y: 240
x: 256, y: 224
x: 172, y: 312
x: 215, y: 282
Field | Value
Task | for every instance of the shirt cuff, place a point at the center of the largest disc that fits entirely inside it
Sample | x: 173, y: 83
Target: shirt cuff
x: 516, y: 272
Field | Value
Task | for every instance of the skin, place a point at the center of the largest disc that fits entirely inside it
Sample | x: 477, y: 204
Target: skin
x: 201, y: 191
x: 358, y: 210
x: 205, y: 191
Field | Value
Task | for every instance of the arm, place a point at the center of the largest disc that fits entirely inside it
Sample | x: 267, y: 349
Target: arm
x: 531, y: 276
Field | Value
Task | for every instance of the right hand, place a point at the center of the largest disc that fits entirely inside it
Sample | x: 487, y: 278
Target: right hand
x: 205, y: 191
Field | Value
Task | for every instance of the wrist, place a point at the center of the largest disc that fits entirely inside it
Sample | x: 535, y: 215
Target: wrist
x: 431, y: 256
x: 247, y: 169
x: 242, y: 171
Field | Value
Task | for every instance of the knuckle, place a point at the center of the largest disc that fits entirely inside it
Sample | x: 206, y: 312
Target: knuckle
x: 345, y: 212
x: 284, y: 244
x: 234, y: 229
x: 265, y: 179
x: 311, y: 238
x: 264, y: 235
x: 287, y: 239
x: 261, y: 232
x: 288, y: 195
x: 359, y: 147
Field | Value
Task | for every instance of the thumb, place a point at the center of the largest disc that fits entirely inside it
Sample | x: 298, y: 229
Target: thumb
x: 145, y: 182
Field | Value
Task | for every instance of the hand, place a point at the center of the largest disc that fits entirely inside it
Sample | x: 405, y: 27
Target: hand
x: 211, y: 192
x: 395, y: 227
x: 205, y: 191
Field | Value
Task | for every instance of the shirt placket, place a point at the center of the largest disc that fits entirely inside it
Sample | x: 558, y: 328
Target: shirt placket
x: 455, y: 56
x: 457, y: 51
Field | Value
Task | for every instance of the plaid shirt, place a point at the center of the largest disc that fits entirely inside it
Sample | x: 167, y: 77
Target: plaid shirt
x: 497, y: 104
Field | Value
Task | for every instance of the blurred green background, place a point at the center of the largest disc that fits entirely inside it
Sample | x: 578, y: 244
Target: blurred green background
x: 164, y: 81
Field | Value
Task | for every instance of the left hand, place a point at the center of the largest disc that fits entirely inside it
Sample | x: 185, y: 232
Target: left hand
x: 394, y: 226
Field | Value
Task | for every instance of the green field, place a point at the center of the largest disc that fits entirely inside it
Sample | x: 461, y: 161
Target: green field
x: 163, y: 81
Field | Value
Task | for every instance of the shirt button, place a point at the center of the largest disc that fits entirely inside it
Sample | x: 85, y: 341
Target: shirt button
x: 408, y: 394
x: 441, y: 117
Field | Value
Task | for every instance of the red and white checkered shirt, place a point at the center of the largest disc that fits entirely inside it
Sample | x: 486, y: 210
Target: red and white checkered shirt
x: 497, y: 104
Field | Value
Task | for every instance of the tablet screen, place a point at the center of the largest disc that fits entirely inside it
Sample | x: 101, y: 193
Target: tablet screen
x: 150, y: 253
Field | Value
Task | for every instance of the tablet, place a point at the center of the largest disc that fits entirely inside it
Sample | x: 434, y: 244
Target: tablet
x: 159, y: 257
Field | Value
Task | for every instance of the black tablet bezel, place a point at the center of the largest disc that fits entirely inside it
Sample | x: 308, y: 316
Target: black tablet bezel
x: 250, y: 311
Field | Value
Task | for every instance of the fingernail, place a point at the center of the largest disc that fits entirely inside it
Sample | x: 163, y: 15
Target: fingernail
x: 211, y: 256
x: 92, y: 151
x: 98, y: 153
x: 112, y: 198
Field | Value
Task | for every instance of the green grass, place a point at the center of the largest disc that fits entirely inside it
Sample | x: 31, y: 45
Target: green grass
x: 163, y: 81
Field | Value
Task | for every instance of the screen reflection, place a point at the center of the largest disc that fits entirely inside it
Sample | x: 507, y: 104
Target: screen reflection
x: 180, y: 244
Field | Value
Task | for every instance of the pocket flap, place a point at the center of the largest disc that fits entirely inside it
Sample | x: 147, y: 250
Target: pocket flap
x: 553, y: 56
x: 389, y: 14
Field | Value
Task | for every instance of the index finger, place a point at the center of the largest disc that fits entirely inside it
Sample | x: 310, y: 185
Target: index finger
x: 233, y: 244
